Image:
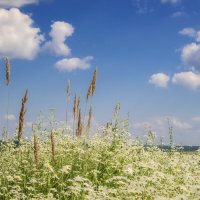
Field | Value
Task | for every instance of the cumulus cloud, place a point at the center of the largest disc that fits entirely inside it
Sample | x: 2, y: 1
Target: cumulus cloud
x: 60, y: 31
x: 190, y: 55
x: 70, y: 64
x: 188, y: 79
x: 9, y: 117
x: 171, y: 1
x: 16, y: 3
x: 19, y: 38
x: 159, y: 80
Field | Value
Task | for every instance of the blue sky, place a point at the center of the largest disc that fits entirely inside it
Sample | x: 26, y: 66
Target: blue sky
x: 147, y: 53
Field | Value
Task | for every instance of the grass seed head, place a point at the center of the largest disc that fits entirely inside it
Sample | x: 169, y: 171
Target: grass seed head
x: 75, y: 107
x: 94, y: 79
x: 79, y: 129
x: 78, y: 108
x: 68, y: 90
x: 89, y: 92
x: 7, y: 71
x: 22, y: 115
x: 89, y: 118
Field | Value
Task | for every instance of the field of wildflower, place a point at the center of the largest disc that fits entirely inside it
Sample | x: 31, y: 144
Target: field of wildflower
x: 62, y: 163
x: 108, y: 166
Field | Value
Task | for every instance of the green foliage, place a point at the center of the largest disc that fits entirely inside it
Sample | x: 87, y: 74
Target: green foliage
x: 104, y: 167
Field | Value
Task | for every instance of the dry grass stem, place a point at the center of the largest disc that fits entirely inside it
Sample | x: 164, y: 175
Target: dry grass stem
x: 75, y: 107
x: 89, y: 119
x: 22, y: 115
x: 68, y: 91
x: 89, y: 92
x: 78, y: 108
x: 79, y: 129
x: 94, y: 79
x: 7, y: 71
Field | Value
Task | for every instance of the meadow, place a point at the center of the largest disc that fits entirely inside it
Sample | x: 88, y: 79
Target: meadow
x: 72, y: 163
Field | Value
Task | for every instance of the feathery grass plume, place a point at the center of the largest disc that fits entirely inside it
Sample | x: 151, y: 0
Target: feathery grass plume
x: 22, y: 115
x: 75, y: 107
x: 7, y: 71
x: 89, y: 92
x: 35, y: 148
x: 78, y: 108
x: 52, y: 145
x: 94, y: 79
x: 79, y: 129
x: 68, y: 90
x: 89, y: 119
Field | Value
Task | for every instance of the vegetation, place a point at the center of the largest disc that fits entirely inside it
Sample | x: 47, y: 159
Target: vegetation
x: 104, y: 167
x: 58, y: 164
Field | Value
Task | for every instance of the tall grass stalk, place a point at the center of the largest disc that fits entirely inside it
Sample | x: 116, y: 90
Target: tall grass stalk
x: 8, y: 95
x: 90, y: 92
x: 22, y: 116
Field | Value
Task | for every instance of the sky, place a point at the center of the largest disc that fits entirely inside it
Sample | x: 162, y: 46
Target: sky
x: 147, y: 53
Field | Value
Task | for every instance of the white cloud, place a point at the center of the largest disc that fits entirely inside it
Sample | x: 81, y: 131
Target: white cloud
x: 159, y: 80
x: 190, y: 55
x: 179, y: 124
x: 171, y: 1
x: 188, y: 79
x: 191, y: 32
x: 60, y: 31
x: 70, y: 64
x: 16, y: 3
x: 19, y: 39
x: 9, y: 117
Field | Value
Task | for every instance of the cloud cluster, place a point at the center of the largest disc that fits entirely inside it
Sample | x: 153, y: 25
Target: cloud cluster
x: 190, y: 57
x: 14, y: 42
x: 188, y: 79
x: 60, y: 31
x: 22, y: 40
x: 16, y: 3
x: 70, y: 64
x: 190, y: 53
x: 159, y: 80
